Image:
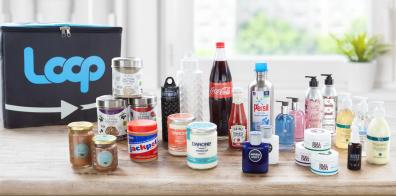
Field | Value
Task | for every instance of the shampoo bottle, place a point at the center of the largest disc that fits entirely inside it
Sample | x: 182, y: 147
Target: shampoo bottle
x: 313, y: 105
x: 299, y: 120
x: 378, y: 137
x: 329, y: 94
x: 344, y: 121
x: 284, y: 127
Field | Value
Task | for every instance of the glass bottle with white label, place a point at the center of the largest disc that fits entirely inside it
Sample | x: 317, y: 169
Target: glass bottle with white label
x: 261, y: 99
x: 237, y: 122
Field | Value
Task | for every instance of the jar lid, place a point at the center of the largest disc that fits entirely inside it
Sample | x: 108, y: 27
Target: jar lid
x: 127, y: 62
x: 142, y: 125
x: 202, y: 127
x: 181, y: 118
x: 80, y: 126
x: 144, y: 100
x: 317, y: 139
x: 104, y: 139
x: 108, y: 101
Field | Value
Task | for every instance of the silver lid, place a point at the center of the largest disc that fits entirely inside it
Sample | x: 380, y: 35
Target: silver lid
x: 108, y: 101
x: 143, y: 101
x: 202, y: 127
x: 127, y: 62
x: 181, y: 118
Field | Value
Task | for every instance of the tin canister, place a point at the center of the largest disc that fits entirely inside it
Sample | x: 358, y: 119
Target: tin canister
x: 127, y: 77
x: 143, y: 107
x: 112, y: 116
x: 143, y: 140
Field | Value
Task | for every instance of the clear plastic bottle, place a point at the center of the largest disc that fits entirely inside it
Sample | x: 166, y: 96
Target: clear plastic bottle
x: 360, y: 122
x: 284, y: 127
x: 344, y: 121
x: 299, y: 120
x: 189, y: 80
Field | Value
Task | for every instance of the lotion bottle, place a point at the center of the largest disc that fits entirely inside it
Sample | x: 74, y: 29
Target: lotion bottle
x: 344, y: 121
x: 313, y: 105
x: 273, y: 142
x: 329, y: 94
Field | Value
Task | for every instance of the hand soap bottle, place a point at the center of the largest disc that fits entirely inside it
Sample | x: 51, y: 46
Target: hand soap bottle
x: 344, y: 121
x: 360, y: 122
x: 273, y: 142
x: 354, y: 150
x: 299, y: 120
x: 284, y: 127
x: 255, y: 154
x: 378, y: 137
x: 329, y: 94
x: 313, y: 105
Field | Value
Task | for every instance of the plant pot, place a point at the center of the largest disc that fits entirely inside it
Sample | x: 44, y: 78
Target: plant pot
x: 362, y: 76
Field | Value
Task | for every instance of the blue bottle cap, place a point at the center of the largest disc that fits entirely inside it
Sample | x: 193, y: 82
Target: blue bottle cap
x: 261, y: 67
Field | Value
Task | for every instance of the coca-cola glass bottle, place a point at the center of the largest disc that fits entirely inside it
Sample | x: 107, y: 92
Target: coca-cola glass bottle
x: 220, y: 92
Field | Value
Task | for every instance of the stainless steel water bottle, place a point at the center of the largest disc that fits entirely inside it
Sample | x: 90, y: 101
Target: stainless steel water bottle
x: 170, y: 103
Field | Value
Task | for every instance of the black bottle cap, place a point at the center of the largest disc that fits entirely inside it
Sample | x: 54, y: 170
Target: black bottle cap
x: 294, y: 99
x: 313, y: 82
x: 170, y: 88
x: 284, y: 103
x: 329, y: 79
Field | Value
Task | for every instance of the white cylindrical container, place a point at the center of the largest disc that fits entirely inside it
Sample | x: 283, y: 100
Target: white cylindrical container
x: 202, y: 145
x: 302, y: 155
x: 177, y: 129
x: 317, y: 139
x: 127, y: 77
x: 324, y: 163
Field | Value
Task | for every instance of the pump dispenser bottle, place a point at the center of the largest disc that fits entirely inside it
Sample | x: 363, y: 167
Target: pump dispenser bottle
x: 354, y: 150
x: 284, y: 127
x: 299, y: 120
x: 273, y: 141
x: 360, y: 121
x: 378, y: 137
x: 329, y: 94
x: 313, y: 105
x: 344, y: 121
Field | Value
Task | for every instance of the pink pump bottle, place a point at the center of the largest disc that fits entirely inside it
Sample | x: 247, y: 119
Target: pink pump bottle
x: 299, y: 119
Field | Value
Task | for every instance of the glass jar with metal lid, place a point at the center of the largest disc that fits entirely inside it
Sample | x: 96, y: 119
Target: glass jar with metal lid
x: 177, y: 128
x: 104, y: 153
x: 202, y: 145
x: 127, y: 77
x: 143, y: 107
x: 112, y: 116
x: 80, y: 137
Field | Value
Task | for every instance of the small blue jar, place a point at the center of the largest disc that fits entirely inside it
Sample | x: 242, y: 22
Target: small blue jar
x: 255, y: 154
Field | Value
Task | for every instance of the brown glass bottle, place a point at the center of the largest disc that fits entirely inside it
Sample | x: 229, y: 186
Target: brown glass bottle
x: 354, y: 156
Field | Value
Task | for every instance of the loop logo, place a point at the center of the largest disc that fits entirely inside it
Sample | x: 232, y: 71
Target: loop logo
x: 84, y: 76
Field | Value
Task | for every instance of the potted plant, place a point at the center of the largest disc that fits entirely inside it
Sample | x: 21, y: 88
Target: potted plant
x: 362, y: 51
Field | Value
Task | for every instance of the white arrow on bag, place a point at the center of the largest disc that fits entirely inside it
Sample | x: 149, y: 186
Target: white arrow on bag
x: 65, y: 109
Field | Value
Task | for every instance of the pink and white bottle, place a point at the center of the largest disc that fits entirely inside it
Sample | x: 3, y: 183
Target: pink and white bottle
x: 299, y: 120
x: 313, y: 105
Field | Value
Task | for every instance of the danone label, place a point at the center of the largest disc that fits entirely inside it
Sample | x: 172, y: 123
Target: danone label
x: 201, y: 149
x: 261, y: 109
x: 220, y: 90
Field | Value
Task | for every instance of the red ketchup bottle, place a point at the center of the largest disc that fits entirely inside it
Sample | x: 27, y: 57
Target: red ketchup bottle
x: 220, y: 92
x: 237, y: 123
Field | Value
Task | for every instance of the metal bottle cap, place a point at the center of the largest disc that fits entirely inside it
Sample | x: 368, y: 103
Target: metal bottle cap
x: 127, y: 62
x: 108, y: 101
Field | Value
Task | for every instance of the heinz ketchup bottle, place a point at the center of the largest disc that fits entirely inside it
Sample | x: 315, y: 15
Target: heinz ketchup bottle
x: 220, y: 92
x: 237, y: 123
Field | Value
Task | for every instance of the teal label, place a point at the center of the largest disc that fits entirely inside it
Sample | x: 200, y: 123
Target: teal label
x: 81, y: 151
x: 378, y: 139
x: 201, y: 160
x: 343, y: 126
x: 104, y: 158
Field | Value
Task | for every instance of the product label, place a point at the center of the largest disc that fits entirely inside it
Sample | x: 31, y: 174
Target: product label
x: 313, y: 113
x: 113, y: 124
x: 143, y: 147
x: 343, y: 134
x: 81, y: 151
x: 143, y: 113
x: 329, y: 113
x: 201, y: 149
x: 127, y: 84
x: 378, y: 147
x: 255, y: 155
x: 238, y: 135
x: 177, y: 140
x: 220, y: 90
x: 104, y: 158
x: 261, y: 109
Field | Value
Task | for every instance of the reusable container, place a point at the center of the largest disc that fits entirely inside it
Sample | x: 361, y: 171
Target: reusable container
x: 104, y: 153
x: 177, y: 128
x: 317, y: 139
x: 143, y: 107
x: 324, y: 163
x: 202, y: 145
x: 302, y: 155
x: 80, y: 137
x: 170, y: 103
x: 127, y: 77
x: 143, y: 140
x: 112, y: 116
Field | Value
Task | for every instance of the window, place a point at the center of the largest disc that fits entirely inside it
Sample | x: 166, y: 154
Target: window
x: 275, y: 27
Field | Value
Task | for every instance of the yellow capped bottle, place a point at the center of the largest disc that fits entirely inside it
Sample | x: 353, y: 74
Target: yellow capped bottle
x: 378, y: 137
x: 344, y: 120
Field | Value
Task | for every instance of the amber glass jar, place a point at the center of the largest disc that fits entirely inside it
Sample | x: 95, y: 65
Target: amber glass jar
x: 104, y: 153
x: 80, y: 137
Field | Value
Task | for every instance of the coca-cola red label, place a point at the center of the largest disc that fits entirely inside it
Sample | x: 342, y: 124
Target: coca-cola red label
x: 220, y: 90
